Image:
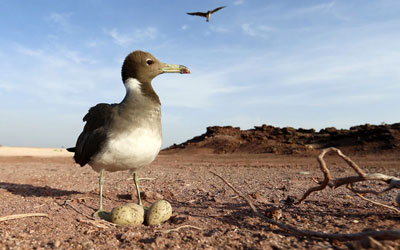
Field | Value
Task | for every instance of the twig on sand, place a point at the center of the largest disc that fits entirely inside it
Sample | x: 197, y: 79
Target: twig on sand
x: 90, y: 220
x: 143, y: 179
x: 66, y: 203
x: 373, y: 202
x: 19, y: 216
x: 178, y: 228
x: 378, y: 235
x: 392, y: 181
x: 97, y: 223
x: 147, y: 179
x: 249, y: 202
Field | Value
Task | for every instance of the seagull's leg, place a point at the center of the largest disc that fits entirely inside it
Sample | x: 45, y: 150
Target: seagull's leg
x: 136, y: 181
x: 101, y: 183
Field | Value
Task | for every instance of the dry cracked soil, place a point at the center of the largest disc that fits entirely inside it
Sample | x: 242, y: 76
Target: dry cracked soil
x: 207, y: 214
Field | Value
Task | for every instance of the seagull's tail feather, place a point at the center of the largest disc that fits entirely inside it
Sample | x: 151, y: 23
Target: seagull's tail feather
x: 71, y: 149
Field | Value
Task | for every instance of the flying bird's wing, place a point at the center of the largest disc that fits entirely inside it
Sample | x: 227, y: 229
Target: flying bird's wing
x: 197, y: 13
x: 217, y: 9
x: 93, y: 134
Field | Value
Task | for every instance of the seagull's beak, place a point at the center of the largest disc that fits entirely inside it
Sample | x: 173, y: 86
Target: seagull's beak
x: 174, y: 68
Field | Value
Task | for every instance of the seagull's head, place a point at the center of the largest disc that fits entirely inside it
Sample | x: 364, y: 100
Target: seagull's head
x: 143, y: 66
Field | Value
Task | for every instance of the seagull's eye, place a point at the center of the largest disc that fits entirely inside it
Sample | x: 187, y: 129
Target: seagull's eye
x: 149, y: 62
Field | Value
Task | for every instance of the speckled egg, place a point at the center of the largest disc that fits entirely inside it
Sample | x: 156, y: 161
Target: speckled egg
x: 128, y: 214
x: 159, y: 212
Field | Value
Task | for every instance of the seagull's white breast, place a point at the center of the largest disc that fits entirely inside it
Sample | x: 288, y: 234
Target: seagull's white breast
x: 134, y: 139
x: 132, y: 150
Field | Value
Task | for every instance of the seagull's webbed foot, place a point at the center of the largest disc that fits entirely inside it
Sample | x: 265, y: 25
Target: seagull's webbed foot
x: 102, y: 214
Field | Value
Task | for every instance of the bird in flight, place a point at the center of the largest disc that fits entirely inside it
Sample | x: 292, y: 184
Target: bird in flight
x: 207, y: 14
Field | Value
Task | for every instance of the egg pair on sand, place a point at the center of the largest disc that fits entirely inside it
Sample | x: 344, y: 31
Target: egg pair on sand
x: 134, y: 214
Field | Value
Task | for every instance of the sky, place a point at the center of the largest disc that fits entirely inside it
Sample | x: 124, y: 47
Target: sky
x: 303, y: 64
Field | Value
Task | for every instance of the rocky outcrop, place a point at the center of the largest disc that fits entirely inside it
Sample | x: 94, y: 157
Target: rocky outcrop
x: 269, y: 139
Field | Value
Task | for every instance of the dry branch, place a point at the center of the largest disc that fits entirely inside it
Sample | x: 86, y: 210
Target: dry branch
x: 19, y: 216
x: 374, y: 202
x: 378, y: 235
x: 97, y: 223
x: 90, y: 220
x: 66, y: 203
x: 237, y: 192
x: 178, y: 228
x: 327, y: 177
x: 361, y: 176
x: 391, y: 180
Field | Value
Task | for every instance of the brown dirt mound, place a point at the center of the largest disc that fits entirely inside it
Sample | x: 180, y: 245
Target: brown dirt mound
x: 269, y: 139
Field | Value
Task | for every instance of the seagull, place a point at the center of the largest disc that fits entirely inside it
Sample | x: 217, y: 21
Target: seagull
x: 127, y: 135
x: 207, y: 14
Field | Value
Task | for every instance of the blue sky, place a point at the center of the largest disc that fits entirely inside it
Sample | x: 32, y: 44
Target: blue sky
x: 309, y: 64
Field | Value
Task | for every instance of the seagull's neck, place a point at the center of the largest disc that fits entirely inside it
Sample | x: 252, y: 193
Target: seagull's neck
x: 140, y: 92
x: 140, y: 97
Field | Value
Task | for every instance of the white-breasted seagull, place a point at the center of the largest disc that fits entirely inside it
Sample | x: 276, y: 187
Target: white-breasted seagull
x: 127, y: 135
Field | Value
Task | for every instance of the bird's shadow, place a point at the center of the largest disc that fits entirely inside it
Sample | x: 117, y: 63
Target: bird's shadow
x: 28, y: 190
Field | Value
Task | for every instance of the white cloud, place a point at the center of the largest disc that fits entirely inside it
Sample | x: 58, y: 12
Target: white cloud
x: 184, y: 27
x: 55, y: 76
x: 355, y: 66
x: 219, y: 29
x: 58, y: 56
x: 6, y: 86
x: 238, y: 2
x: 197, y: 90
x: 118, y: 38
x: 128, y: 38
x: 61, y: 19
x: 257, y: 30
x: 94, y: 43
x: 316, y: 8
x: 76, y: 57
x: 145, y: 34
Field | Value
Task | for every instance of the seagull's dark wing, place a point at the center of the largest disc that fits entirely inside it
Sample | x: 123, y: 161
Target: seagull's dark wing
x: 197, y: 14
x: 93, y: 135
x: 217, y: 9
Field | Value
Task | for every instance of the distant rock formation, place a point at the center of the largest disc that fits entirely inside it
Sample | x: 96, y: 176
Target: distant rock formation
x: 268, y: 139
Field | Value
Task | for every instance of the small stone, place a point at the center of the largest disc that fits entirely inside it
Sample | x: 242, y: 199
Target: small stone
x: 274, y: 213
x: 168, y: 195
x: 347, y: 197
x: 290, y: 200
x: 57, y: 243
x: 87, y: 244
x: 304, y: 172
x: 151, y: 196
x: 179, y: 219
x: 367, y: 243
x: 398, y: 199
x: 129, y: 236
x: 216, y: 200
x: 259, y: 197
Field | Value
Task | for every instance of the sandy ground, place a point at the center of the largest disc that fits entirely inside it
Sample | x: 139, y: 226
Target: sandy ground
x: 207, y: 213
x: 36, y: 152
